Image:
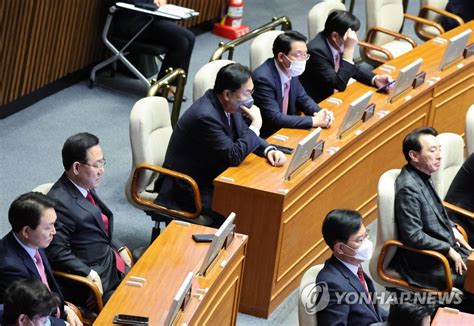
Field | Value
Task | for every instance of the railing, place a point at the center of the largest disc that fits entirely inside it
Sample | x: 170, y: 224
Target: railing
x: 282, y: 21
x: 161, y: 88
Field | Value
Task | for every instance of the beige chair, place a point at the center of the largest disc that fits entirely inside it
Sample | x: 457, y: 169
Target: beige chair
x: 433, y: 10
x: 387, y: 242
x: 261, y: 48
x: 206, y: 76
x: 150, y: 132
x: 384, y: 19
x: 318, y: 15
x: 306, y: 307
x: 470, y: 130
x: 44, y: 188
x: 452, y: 149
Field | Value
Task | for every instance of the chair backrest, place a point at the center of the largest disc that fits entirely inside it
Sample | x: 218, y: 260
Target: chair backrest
x: 44, y: 188
x: 150, y: 132
x: 384, y: 13
x: 261, y: 48
x: 386, y: 225
x: 206, y: 76
x: 306, y: 309
x: 470, y: 130
x: 318, y: 15
x: 452, y: 149
x: 441, y: 4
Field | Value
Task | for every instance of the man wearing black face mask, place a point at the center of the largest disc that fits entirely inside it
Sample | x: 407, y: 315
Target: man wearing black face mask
x: 212, y: 136
x: 278, y: 92
x: 347, y: 237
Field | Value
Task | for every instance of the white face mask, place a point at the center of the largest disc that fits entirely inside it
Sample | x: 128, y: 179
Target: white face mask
x: 365, y: 251
x: 296, y: 68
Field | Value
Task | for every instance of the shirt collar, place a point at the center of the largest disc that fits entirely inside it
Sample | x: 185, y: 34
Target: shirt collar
x: 31, y: 251
x: 82, y: 190
x: 283, y: 76
x: 352, y: 268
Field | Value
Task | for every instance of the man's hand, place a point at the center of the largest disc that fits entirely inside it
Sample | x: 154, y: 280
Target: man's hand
x: 96, y: 279
x: 276, y: 158
x: 460, y: 239
x: 254, y: 115
x: 382, y: 80
x: 458, y: 262
x: 323, y: 118
x: 350, y: 42
x: 160, y: 3
x: 71, y: 317
x: 126, y: 257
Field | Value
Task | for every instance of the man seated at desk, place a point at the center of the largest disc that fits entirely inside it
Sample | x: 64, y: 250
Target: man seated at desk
x: 84, y: 242
x: 421, y: 218
x: 346, y: 235
x: 278, y: 91
x: 212, y: 136
x: 331, y: 61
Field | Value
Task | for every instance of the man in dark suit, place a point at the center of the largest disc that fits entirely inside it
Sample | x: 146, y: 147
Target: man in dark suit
x: 278, y: 92
x: 421, y: 218
x: 32, y: 218
x: 84, y: 242
x: 461, y: 8
x: 212, y: 136
x: 347, y: 237
x: 461, y: 193
x: 331, y: 64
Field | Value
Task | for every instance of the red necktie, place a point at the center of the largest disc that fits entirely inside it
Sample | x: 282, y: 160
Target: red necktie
x: 120, y: 264
x: 360, y: 273
x: 40, y: 266
x: 337, y: 61
x: 286, y: 97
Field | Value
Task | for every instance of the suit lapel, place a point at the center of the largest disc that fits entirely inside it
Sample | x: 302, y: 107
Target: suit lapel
x: 328, y: 51
x: 276, y: 79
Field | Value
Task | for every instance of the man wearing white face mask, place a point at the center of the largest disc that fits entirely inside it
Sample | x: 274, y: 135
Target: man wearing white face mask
x: 347, y: 237
x: 278, y: 91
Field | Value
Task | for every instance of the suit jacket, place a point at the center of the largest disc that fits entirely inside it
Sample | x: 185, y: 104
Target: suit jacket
x: 202, y: 146
x: 16, y: 264
x: 340, y: 279
x: 421, y: 225
x: 81, y: 243
x: 320, y: 78
x: 461, y: 193
x: 269, y: 98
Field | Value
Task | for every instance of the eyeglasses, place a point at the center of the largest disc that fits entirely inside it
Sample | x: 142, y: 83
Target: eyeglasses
x: 98, y: 165
x: 299, y: 55
x: 361, y: 239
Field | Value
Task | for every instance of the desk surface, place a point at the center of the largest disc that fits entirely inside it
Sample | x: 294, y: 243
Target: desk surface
x: 165, y: 265
x: 283, y: 218
x: 448, y: 317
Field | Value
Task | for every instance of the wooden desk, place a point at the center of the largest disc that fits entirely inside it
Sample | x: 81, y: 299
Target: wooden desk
x: 469, y: 280
x: 283, y: 218
x: 165, y: 265
x: 446, y: 317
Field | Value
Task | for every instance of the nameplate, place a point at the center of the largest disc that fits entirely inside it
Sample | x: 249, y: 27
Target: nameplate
x: 468, y: 51
x: 136, y: 284
x: 226, y: 179
x: 335, y: 101
x: 419, y: 79
x: 387, y: 68
x: 183, y: 223
x: 280, y: 137
x: 137, y: 279
x: 368, y: 112
x: 440, y: 40
x: 318, y: 150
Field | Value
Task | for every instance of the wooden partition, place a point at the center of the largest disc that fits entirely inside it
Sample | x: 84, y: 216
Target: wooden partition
x: 283, y: 218
x: 43, y: 41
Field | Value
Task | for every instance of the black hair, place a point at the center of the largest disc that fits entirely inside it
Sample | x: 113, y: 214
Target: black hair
x: 408, y: 314
x: 231, y: 77
x: 75, y: 148
x: 412, y: 140
x: 27, y: 210
x: 339, y: 225
x: 340, y: 21
x: 283, y: 42
x: 29, y: 297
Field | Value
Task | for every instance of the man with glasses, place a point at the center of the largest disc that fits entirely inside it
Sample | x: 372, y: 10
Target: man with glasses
x: 212, y: 136
x: 343, y: 276
x: 331, y: 64
x: 278, y: 91
x: 84, y: 242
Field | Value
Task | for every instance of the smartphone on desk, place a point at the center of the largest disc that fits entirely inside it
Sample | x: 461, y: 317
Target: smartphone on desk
x: 385, y: 88
x: 203, y: 237
x: 284, y: 149
x: 124, y: 319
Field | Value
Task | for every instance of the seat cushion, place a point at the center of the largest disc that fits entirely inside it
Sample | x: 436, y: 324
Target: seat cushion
x: 396, y: 48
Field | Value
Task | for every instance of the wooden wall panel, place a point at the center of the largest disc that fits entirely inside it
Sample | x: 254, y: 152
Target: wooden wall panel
x: 42, y: 41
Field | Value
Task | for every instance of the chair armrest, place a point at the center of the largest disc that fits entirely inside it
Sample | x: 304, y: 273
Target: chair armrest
x: 458, y: 209
x: 374, y: 47
x: 403, y: 283
x: 75, y: 309
x: 377, y: 29
x: 86, y: 282
x: 148, y: 203
x: 425, y: 9
x: 422, y: 21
